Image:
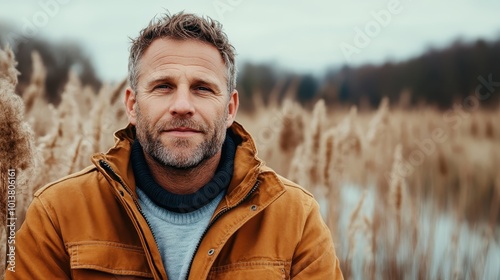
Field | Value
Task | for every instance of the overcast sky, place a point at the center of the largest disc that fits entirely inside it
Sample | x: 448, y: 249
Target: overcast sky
x: 300, y: 35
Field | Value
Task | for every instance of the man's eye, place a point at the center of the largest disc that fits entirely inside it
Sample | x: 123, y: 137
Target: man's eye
x: 162, y: 88
x: 204, y: 89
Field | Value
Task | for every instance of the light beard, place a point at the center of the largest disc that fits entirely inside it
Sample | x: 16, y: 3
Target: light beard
x: 150, y: 139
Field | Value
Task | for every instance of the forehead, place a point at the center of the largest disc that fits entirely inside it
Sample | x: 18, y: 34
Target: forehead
x: 166, y: 53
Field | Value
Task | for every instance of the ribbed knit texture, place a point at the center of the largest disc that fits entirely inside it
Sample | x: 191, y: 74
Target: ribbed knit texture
x: 177, y: 234
x: 188, y: 202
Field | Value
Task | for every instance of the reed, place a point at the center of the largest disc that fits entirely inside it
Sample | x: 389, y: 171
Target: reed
x: 17, y: 150
x: 383, y: 157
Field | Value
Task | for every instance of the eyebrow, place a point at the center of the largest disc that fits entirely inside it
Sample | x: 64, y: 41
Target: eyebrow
x: 207, y: 82
x: 158, y: 80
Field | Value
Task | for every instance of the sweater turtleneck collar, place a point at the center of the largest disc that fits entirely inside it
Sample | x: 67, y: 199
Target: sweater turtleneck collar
x: 183, y: 203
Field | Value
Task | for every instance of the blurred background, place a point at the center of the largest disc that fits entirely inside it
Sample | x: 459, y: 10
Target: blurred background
x: 352, y: 52
x: 387, y: 111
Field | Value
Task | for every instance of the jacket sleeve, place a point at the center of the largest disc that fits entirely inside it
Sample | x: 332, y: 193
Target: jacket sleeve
x: 40, y: 252
x: 315, y: 257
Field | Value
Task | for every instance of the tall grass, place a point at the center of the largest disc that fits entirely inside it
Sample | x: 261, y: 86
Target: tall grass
x: 384, y: 189
x: 424, y: 181
x: 16, y: 147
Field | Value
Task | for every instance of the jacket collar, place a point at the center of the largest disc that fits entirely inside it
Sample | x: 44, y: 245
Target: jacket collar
x: 246, y: 168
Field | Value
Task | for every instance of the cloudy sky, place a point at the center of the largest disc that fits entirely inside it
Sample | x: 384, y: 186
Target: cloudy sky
x: 299, y: 35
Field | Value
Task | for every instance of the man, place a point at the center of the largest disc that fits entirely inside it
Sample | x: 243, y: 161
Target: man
x: 182, y: 194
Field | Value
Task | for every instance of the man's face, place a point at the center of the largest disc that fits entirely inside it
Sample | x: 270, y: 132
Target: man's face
x: 182, y: 107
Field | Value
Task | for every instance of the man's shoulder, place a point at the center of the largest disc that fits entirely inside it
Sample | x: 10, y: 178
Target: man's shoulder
x: 70, y: 183
x: 292, y: 190
x: 290, y: 185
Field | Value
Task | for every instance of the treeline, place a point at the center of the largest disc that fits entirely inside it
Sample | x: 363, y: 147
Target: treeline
x: 461, y: 73
x: 58, y: 58
x: 439, y: 77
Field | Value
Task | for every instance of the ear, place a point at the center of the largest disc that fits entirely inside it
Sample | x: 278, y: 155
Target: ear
x: 130, y: 105
x: 233, y: 104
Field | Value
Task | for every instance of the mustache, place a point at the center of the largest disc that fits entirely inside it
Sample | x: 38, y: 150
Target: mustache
x: 181, y: 122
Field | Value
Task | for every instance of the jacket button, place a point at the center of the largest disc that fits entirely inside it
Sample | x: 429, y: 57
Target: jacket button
x: 253, y: 207
x: 211, y: 252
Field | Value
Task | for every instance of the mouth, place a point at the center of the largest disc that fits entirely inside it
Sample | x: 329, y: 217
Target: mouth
x: 182, y: 131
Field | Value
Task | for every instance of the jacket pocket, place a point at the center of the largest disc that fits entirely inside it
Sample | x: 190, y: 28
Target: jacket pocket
x: 251, y: 270
x: 107, y: 260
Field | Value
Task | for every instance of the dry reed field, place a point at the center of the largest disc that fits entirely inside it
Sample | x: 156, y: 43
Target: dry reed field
x: 407, y: 194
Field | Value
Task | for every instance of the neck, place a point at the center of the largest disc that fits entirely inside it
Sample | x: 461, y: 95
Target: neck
x: 184, y: 190
x: 183, y: 181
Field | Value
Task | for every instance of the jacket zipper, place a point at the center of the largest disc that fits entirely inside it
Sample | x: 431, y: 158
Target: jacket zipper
x: 220, y: 214
x: 115, y: 176
x: 108, y: 168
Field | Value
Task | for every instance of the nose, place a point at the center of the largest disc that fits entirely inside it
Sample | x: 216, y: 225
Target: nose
x: 182, y: 104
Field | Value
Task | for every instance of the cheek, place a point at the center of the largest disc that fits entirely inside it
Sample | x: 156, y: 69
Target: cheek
x: 218, y: 116
x: 152, y: 112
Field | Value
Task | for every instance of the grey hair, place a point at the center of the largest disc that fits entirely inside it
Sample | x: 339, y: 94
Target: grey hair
x: 183, y: 26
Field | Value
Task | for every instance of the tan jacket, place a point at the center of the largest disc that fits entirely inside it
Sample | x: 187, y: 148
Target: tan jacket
x: 89, y: 226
